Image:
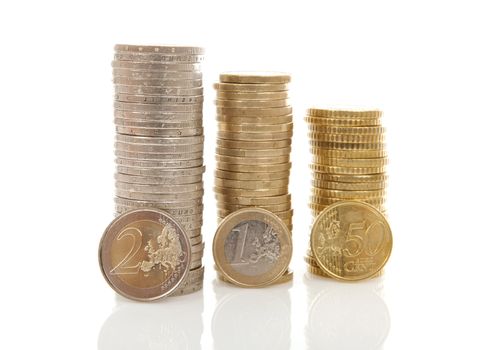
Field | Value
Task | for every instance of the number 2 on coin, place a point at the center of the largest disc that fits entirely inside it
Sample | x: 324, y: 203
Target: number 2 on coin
x: 123, y: 267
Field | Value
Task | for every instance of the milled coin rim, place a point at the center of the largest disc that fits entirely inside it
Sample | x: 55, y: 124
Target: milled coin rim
x: 221, y: 234
x: 131, y: 213
x: 374, y: 211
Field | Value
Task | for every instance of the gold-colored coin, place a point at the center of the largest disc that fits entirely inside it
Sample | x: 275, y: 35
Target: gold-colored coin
x: 264, y: 136
x: 255, y: 128
x: 125, y: 261
x: 317, y: 208
x: 252, y: 176
x: 329, y: 113
x: 347, y: 186
x: 252, y: 248
x: 250, y: 193
x: 251, y: 185
x: 284, y: 119
x: 351, y: 162
x: 344, y: 122
x: 286, y: 277
x: 349, y: 178
x: 346, y: 138
x: 252, y: 88
x: 319, y: 150
x: 261, y: 153
x: 320, y: 192
x: 223, y: 206
x: 272, y: 200
x: 252, y: 161
x: 254, y: 77
x: 343, y: 130
x: 345, y: 170
x: 351, y: 241
x: 261, y: 96
x: 253, y: 145
x: 318, y: 199
x: 253, y: 169
x: 254, y: 112
x: 252, y: 103
x: 347, y: 146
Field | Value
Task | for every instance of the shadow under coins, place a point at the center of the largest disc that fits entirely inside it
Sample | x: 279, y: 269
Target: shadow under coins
x: 172, y: 323
x: 346, y: 315
x: 251, y: 318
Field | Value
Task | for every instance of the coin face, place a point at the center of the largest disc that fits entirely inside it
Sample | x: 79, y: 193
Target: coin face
x: 252, y: 247
x: 351, y: 240
x: 144, y: 254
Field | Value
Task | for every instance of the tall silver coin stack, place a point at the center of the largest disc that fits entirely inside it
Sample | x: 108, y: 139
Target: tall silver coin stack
x: 158, y: 113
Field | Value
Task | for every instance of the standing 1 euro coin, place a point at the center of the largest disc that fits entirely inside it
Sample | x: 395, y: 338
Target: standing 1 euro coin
x: 252, y: 247
x: 144, y: 254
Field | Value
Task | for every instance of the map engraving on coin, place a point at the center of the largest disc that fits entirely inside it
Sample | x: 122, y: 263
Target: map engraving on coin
x: 144, y: 254
x: 252, y: 247
x: 351, y: 240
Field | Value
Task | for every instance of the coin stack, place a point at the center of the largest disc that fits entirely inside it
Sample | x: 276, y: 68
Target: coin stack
x: 159, y: 138
x: 253, y: 143
x: 348, y: 161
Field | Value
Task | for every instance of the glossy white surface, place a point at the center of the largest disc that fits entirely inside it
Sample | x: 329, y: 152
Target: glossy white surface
x: 424, y: 63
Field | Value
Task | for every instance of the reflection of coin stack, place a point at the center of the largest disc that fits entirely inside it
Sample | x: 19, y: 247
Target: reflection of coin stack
x: 253, y: 144
x: 348, y: 160
x: 159, y: 138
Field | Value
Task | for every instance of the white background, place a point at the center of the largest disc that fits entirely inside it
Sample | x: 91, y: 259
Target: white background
x: 426, y: 64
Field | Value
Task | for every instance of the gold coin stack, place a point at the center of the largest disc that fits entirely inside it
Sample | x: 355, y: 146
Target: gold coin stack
x: 253, y: 144
x: 159, y: 138
x: 348, y: 161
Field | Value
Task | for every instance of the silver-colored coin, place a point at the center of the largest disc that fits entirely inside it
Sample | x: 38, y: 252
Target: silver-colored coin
x: 138, y: 107
x: 167, y: 141
x: 190, y: 207
x: 166, y: 117
x: 148, y: 99
x: 159, y: 188
x: 162, y: 66
x: 178, y: 50
x: 161, y: 165
x: 172, y: 157
x: 157, y: 124
x: 196, y: 240
x: 189, y: 226
x: 131, y: 170
x: 159, y: 196
x: 149, y: 148
x: 190, y: 218
x: 155, y: 74
x: 149, y: 90
x: 196, y: 264
x: 157, y: 180
x: 157, y: 57
x: 159, y: 132
x: 173, y: 211
x: 174, y: 83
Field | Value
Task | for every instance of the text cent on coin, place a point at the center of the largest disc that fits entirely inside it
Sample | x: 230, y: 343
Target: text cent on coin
x: 144, y: 254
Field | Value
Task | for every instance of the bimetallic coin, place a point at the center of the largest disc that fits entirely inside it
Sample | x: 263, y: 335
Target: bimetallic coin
x: 264, y: 136
x: 129, y: 254
x: 171, y: 108
x: 254, y: 112
x: 157, y: 57
x: 253, y: 153
x: 251, y: 185
x: 252, y: 248
x: 253, y: 88
x: 253, y: 169
x: 251, y: 176
x: 159, y: 165
x: 152, y: 124
x: 255, y: 128
x: 262, y: 96
x: 159, y: 188
x: 130, y: 130
x: 159, y: 116
x: 174, y: 83
x: 351, y: 241
x: 158, y: 171
x: 192, y: 284
x: 162, y: 66
x: 167, y: 141
x: 252, y: 103
x: 285, y: 278
x: 158, y: 156
x: 153, y: 148
x: 284, y: 119
x: 154, y: 90
x: 255, y: 77
x: 328, y: 113
x: 155, y: 74
x: 272, y: 208
x: 158, y: 180
x: 178, y: 50
x: 250, y: 193
x: 178, y: 208
x: 251, y: 201
x: 253, y: 145
x: 252, y: 161
x: 161, y: 197
x: 164, y: 100
x: 167, y: 208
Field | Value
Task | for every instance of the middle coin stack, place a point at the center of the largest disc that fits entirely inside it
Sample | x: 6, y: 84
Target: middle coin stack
x: 253, y: 144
